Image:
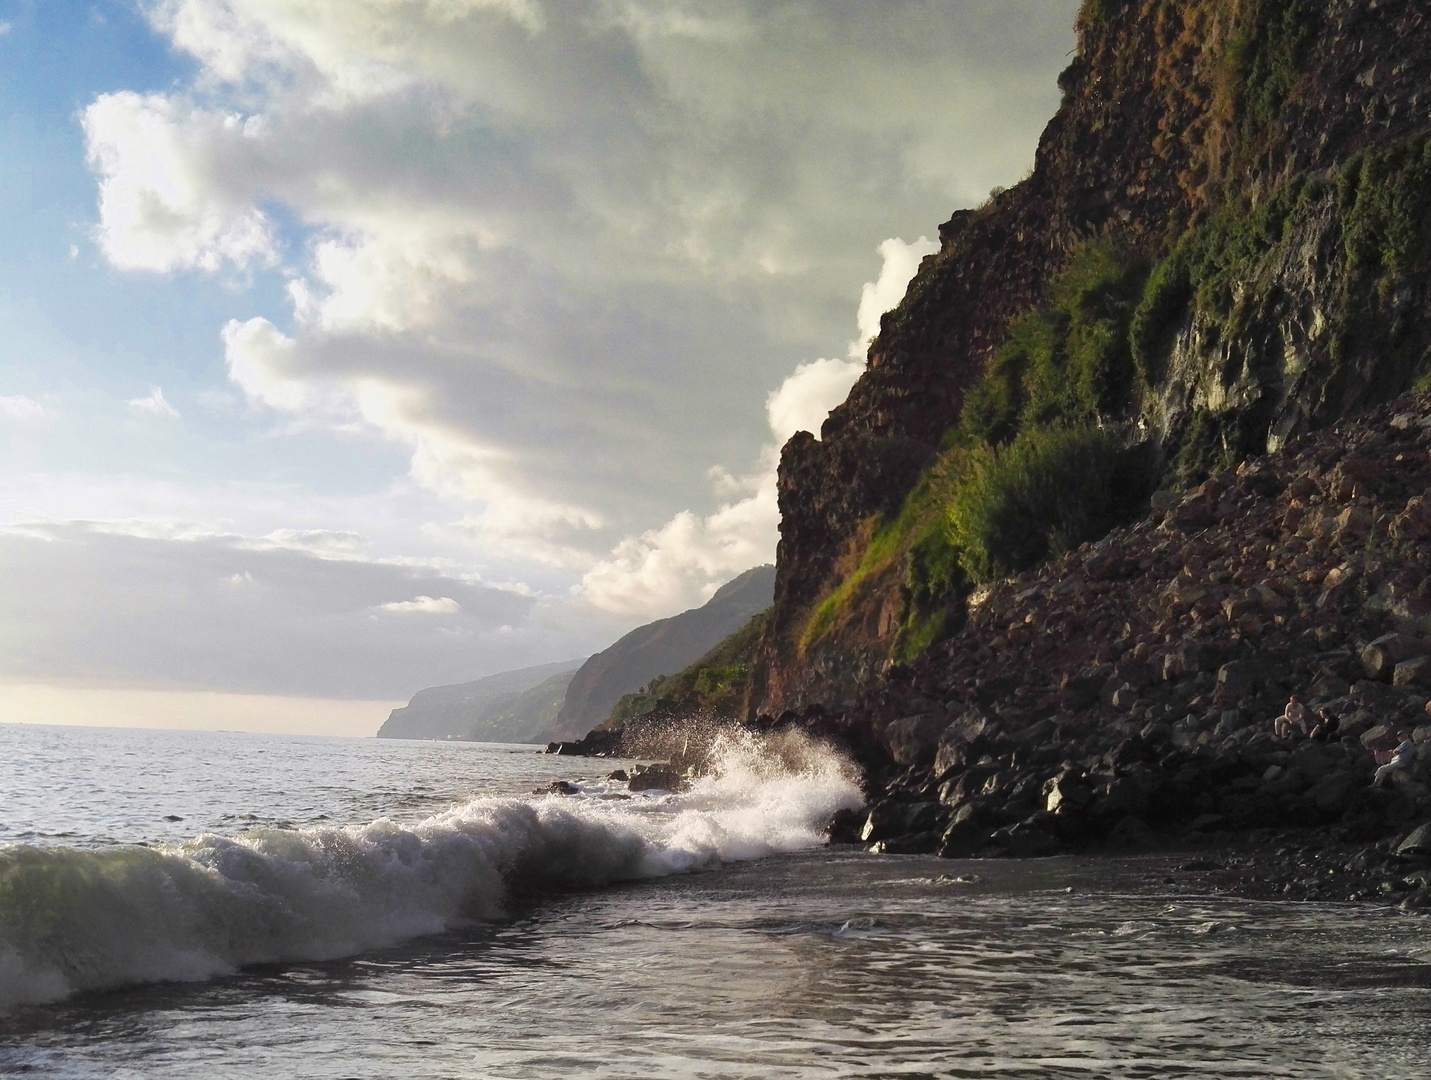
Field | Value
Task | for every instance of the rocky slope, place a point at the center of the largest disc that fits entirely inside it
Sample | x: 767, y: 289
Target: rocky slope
x: 514, y: 706
x: 1123, y: 696
x: 660, y: 648
x: 1258, y: 167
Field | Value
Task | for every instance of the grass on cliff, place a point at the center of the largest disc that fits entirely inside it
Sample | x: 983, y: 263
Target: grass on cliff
x: 1068, y: 363
x: 911, y: 551
x: 983, y: 503
x: 1044, y: 494
x: 714, y: 685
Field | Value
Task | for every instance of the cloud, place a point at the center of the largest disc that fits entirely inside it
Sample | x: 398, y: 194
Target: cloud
x: 901, y: 260
x: 5, y: 28
x: 805, y: 398
x: 681, y: 564
x: 168, y: 199
x: 18, y: 407
x: 155, y: 404
x: 422, y: 605
x: 550, y: 249
x: 82, y: 605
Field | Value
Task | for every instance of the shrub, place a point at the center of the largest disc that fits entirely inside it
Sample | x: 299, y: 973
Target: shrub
x: 1046, y: 493
x: 1068, y: 363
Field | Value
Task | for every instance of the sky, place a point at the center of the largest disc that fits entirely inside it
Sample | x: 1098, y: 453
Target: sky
x: 350, y: 347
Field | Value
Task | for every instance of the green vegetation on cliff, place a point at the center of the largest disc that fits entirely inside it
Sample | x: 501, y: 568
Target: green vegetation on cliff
x: 1043, y: 495
x: 1026, y: 472
x: 1068, y: 363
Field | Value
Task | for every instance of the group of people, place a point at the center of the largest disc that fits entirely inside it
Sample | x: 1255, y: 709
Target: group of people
x: 1297, y: 717
x: 1324, y: 726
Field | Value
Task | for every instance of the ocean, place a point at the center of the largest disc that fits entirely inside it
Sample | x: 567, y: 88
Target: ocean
x: 195, y: 904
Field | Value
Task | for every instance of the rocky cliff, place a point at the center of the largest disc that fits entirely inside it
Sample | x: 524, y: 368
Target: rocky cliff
x: 1124, y: 694
x: 1223, y: 243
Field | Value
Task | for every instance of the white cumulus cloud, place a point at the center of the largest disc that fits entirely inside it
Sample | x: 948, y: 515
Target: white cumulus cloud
x: 901, y: 260
x: 169, y: 196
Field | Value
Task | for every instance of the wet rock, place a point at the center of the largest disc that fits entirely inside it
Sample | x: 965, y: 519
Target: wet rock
x: 562, y: 787
x: 889, y: 819
x: 845, y: 826
x: 1030, y: 839
x: 1419, y: 900
x: 885, y: 819
x: 656, y: 778
x: 1132, y: 834
x: 964, y: 836
x: 925, y: 843
x: 1066, y: 793
x: 619, y: 775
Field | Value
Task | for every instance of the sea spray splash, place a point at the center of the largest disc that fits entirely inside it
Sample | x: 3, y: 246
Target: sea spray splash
x: 74, y: 920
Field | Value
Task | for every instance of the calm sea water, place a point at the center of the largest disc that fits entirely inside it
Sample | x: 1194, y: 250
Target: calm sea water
x: 352, y: 908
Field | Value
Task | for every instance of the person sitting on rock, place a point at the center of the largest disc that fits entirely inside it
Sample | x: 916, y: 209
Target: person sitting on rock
x: 1326, y: 727
x: 1394, y: 761
x: 1294, y: 717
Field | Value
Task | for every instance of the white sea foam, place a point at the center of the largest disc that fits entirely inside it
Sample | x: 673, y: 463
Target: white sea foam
x: 74, y: 920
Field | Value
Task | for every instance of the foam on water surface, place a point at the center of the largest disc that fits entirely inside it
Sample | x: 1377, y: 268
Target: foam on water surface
x: 74, y: 920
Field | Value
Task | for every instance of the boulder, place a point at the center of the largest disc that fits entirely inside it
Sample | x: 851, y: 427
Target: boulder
x: 1030, y: 840
x: 912, y: 740
x: 1066, y: 792
x: 1381, y: 656
x: 889, y: 819
x: 1132, y: 834
x: 953, y: 754
x: 964, y: 836
x: 885, y: 819
x: 1237, y: 680
x: 1413, y: 524
x: 845, y: 826
x: 924, y: 843
x: 1332, y: 793
x: 1417, y: 844
x: 1353, y: 525
x: 1413, y: 672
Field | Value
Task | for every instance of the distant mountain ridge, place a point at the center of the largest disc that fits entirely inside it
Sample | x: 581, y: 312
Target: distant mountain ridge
x: 664, y: 647
x: 513, y: 706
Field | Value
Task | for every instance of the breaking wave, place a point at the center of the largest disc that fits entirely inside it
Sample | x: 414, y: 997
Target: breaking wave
x: 74, y: 920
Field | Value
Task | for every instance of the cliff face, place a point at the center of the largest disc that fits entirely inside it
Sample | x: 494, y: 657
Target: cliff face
x: 1260, y: 162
